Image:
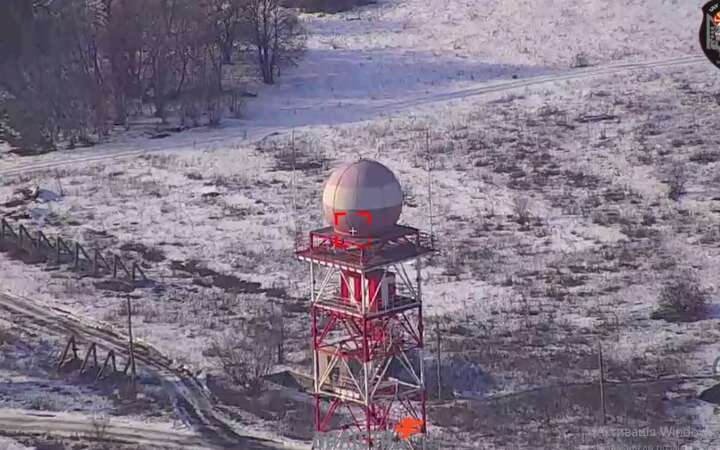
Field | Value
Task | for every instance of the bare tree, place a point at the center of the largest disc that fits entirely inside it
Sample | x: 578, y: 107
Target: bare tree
x: 185, y: 47
x: 159, y: 40
x: 51, y: 74
x: 124, y: 47
x: 225, y: 21
x: 70, y: 68
x: 275, y: 33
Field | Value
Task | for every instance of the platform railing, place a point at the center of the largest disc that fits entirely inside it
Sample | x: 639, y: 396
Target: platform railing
x: 322, y: 248
x: 340, y: 304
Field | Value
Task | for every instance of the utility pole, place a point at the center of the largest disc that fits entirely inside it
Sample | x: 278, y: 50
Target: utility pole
x: 439, y: 381
x: 278, y: 323
x: 296, y: 227
x: 131, y: 346
x: 602, y: 383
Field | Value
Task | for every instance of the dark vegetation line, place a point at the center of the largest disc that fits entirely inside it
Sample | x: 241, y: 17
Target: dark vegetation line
x: 673, y: 379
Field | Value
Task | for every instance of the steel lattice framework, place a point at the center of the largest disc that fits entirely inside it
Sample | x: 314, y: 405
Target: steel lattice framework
x: 366, y: 328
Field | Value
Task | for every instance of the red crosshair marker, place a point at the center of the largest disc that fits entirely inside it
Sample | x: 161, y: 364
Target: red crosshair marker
x: 339, y: 242
x: 338, y: 215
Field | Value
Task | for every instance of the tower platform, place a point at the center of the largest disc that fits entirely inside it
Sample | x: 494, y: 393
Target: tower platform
x: 398, y: 245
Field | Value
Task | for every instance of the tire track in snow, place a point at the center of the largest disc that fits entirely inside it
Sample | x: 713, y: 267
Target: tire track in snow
x: 23, y: 423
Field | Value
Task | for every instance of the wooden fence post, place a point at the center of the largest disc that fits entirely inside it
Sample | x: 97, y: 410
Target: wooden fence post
x: 24, y: 233
x: 71, y: 346
x: 92, y: 350
x: 39, y: 240
x: 6, y: 229
x: 95, y: 263
x: 109, y: 359
x: 77, y: 256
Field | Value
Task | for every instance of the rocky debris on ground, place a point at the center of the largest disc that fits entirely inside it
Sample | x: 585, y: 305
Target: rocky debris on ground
x: 22, y: 196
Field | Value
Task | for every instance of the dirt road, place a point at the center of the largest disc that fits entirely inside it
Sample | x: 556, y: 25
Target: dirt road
x: 195, y: 404
x: 22, y: 422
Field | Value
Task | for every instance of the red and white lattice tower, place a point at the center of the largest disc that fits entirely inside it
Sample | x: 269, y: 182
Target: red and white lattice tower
x: 366, y: 304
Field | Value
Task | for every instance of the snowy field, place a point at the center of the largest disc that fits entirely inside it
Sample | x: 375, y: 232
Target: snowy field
x: 8, y: 444
x: 523, y: 303
x: 406, y: 55
x: 360, y: 62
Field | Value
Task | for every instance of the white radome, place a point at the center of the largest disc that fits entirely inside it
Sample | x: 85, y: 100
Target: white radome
x: 365, y: 197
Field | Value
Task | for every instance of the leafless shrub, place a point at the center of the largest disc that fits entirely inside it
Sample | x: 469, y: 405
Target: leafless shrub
x: 668, y: 366
x: 246, y: 354
x: 625, y: 367
x: 193, y: 175
x: 635, y: 231
x: 6, y: 336
x: 681, y: 300
x: 677, y: 179
x: 710, y: 235
x: 648, y: 218
x: 554, y: 291
x: 521, y: 208
x: 42, y: 401
x: 453, y: 260
x: 99, y: 425
x: 705, y: 157
x: 580, y: 60
x: 645, y: 153
x: 548, y: 110
x: 152, y: 312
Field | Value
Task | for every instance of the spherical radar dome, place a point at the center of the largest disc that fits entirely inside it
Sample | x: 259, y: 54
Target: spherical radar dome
x: 366, y: 198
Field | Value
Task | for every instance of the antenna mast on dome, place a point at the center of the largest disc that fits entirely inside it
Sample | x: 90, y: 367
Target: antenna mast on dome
x: 429, y: 185
x: 293, y: 182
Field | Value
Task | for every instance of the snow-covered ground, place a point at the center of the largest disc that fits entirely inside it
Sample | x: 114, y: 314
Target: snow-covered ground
x: 528, y: 305
x: 407, y: 55
x: 359, y: 61
x: 9, y: 444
